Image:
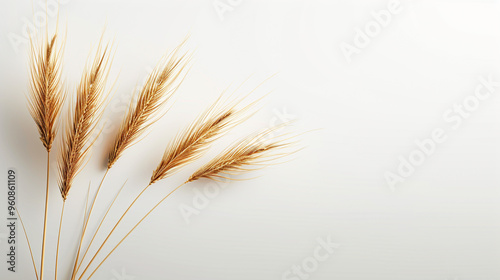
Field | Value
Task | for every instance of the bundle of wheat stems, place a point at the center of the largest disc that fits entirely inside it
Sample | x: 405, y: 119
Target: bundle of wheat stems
x: 88, y: 103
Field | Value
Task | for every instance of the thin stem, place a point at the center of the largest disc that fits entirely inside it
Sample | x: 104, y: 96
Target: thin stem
x: 100, y: 224
x: 73, y: 274
x: 45, y: 216
x: 85, y: 216
x: 113, y: 229
x: 59, y: 237
x: 136, y: 225
x: 28, y: 241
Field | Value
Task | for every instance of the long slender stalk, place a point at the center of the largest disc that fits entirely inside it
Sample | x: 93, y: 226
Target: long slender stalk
x: 28, y: 241
x: 86, y: 224
x: 113, y: 229
x: 45, y: 216
x: 135, y: 226
x: 85, y: 216
x: 100, y: 224
x: 59, y: 237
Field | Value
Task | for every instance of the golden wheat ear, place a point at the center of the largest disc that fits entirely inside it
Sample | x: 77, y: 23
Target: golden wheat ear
x: 159, y: 87
x: 251, y: 153
x: 46, y: 95
x: 194, y: 141
x: 91, y: 98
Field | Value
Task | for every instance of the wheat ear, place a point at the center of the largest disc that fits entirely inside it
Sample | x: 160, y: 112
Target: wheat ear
x: 46, y: 90
x: 90, y: 102
x: 249, y: 154
x: 44, y: 103
x: 159, y: 87
x: 243, y: 157
x: 190, y: 145
x: 157, y: 90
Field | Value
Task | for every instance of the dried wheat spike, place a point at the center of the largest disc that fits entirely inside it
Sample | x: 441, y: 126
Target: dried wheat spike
x: 46, y: 91
x: 159, y: 87
x: 254, y: 150
x: 194, y: 141
x: 90, y: 102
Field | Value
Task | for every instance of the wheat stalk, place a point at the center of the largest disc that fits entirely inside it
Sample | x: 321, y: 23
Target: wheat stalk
x: 45, y: 102
x: 58, y: 239
x: 159, y: 87
x: 91, y: 98
x: 242, y: 157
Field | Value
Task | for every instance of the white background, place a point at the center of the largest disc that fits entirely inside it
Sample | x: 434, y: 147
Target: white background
x: 441, y: 223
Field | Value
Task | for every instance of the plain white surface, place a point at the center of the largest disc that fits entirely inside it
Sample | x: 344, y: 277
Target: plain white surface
x: 441, y: 223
